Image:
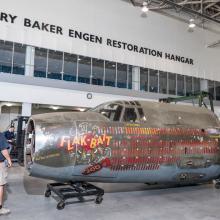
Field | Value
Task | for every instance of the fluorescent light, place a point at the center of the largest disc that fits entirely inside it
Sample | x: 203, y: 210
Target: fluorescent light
x: 81, y: 109
x: 9, y: 104
x: 191, y: 23
x: 54, y: 107
x: 145, y: 8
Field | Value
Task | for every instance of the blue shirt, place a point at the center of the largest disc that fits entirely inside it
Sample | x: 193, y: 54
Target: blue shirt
x: 9, y: 135
x: 3, y: 145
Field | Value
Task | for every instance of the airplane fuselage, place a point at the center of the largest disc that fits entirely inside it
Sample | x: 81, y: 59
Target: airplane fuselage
x: 88, y: 147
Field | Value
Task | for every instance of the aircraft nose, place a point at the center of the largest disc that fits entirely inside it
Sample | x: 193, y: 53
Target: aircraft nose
x: 29, y: 144
x: 49, y: 138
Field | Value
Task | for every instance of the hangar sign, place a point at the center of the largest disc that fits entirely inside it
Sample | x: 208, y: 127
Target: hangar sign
x: 54, y: 29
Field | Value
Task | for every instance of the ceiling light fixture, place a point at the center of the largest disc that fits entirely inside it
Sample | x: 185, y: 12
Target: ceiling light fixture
x: 81, y: 109
x: 54, y: 107
x: 191, y: 23
x: 8, y: 104
x: 145, y: 7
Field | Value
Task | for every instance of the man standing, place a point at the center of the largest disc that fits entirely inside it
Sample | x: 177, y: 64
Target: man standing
x: 9, y: 135
x: 4, y: 155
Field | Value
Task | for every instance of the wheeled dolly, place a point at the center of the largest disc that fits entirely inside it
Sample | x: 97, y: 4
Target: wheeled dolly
x: 217, y: 184
x: 71, y: 190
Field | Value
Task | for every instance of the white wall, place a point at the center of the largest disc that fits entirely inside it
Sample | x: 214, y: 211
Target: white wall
x: 54, y: 96
x: 117, y: 20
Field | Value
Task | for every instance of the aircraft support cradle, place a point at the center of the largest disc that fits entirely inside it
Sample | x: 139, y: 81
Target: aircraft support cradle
x: 71, y: 190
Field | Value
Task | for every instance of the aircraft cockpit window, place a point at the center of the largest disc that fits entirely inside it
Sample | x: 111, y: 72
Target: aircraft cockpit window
x: 130, y: 115
x: 141, y: 114
x: 119, y: 102
x: 111, y: 111
x: 137, y: 103
x: 132, y: 103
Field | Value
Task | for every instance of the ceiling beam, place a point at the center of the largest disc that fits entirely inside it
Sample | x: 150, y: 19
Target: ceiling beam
x: 133, y: 2
x: 190, y: 11
x: 197, y: 2
x: 214, y: 44
x: 216, y: 15
x: 210, y: 5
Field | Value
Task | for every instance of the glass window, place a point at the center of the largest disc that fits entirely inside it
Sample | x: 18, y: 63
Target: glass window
x: 143, y: 79
x: 153, y: 80
x: 6, y: 56
x: 70, y: 67
x: 163, y: 82
x: 180, y: 85
x: 141, y: 114
x: 110, y: 73
x: 211, y: 86
x: 188, y: 85
x: 196, y: 85
x: 19, y: 59
x: 55, y: 64
x: 172, y: 83
x: 121, y: 75
x: 129, y: 77
x: 130, y: 115
x: 110, y: 110
x: 217, y: 90
x: 97, y: 71
x: 84, y: 70
x: 40, y: 62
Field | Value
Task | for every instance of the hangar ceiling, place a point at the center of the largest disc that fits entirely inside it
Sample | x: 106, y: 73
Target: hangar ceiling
x: 206, y: 13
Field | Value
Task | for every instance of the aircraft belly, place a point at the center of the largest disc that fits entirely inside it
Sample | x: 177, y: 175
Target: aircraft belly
x: 164, y: 175
x: 125, y: 152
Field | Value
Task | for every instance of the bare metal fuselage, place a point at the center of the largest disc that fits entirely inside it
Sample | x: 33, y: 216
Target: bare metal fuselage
x: 176, y: 144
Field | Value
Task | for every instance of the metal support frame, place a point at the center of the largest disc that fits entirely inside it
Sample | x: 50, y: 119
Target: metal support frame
x: 208, y: 10
x: 70, y: 190
x: 191, y: 11
x: 17, y: 152
x: 200, y: 96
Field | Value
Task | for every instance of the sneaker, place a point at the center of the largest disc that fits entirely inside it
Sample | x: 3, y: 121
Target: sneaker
x: 4, y: 211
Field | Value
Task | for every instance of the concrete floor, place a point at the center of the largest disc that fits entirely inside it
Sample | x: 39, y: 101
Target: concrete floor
x: 25, y: 198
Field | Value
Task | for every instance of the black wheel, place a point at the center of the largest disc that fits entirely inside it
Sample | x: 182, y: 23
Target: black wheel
x: 47, y: 193
x: 81, y: 199
x: 60, y: 205
x: 98, y: 200
x: 217, y: 185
